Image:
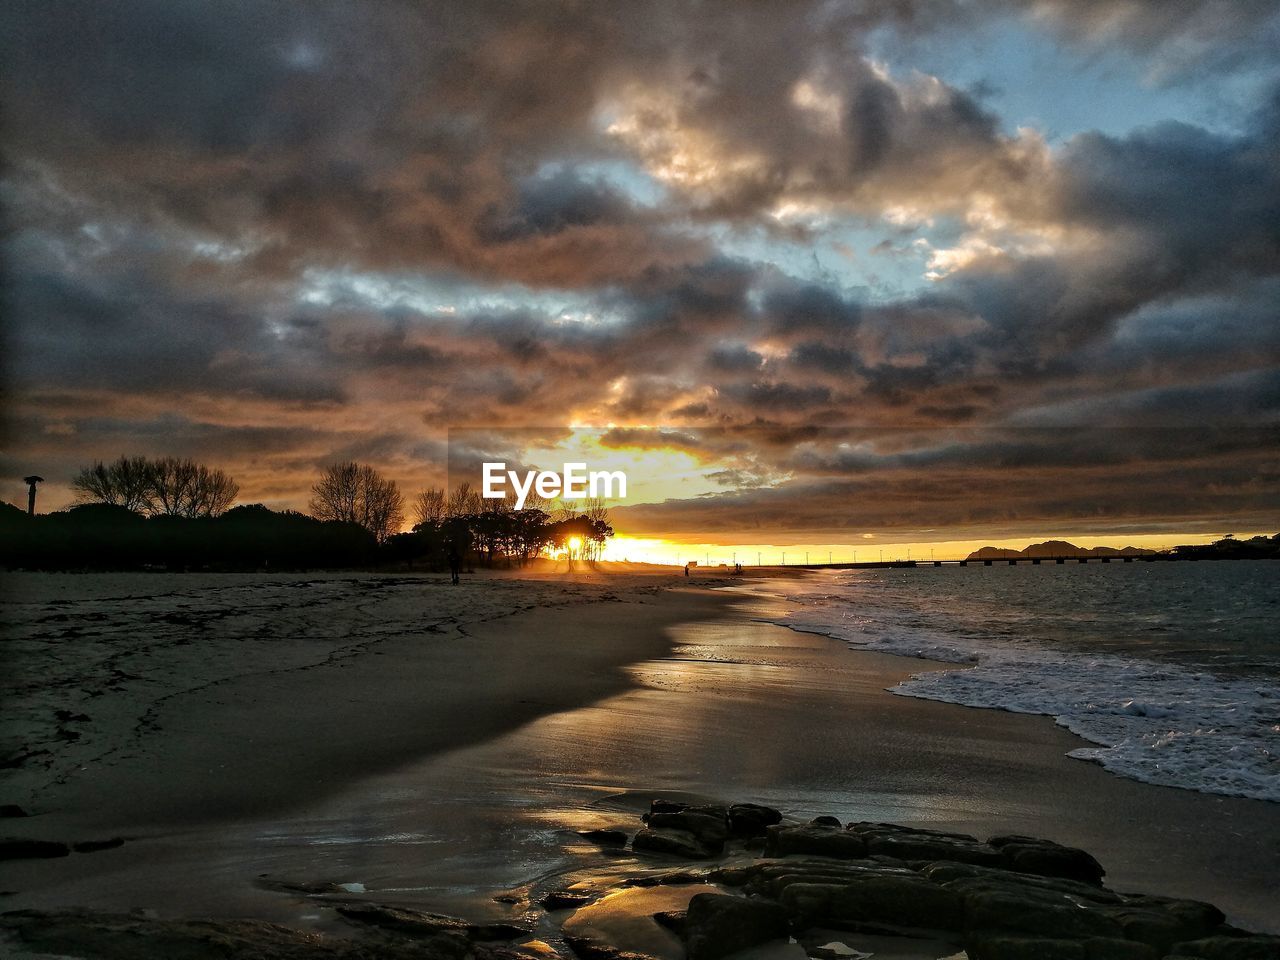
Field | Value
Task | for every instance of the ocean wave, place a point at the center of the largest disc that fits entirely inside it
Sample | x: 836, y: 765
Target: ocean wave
x: 1156, y: 722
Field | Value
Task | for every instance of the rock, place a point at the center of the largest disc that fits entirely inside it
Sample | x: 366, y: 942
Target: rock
x: 870, y: 828
x: 718, y: 924
x: 808, y: 902
x: 18, y: 848
x: 1229, y: 948
x: 718, y: 810
x: 1201, y: 919
x: 751, y: 819
x: 589, y: 949
x: 709, y: 829
x: 907, y: 843
x: 933, y: 849
x: 305, y: 887
x: 12, y: 810
x: 772, y: 877
x: 945, y: 870
x: 605, y: 838
x: 825, y: 821
x: 1098, y: 948
x: 93, y: 846
x: 1007, y: 907
x: 414, y: 923
x: 677, y: 843
x: 1022, y: 948
x: 399, y: 920
x: 488, y: 932
x: 673, y: 920
x: 784, y: 841
x: 1159, y: 928
x: 1047, y: 858
x: 899, y: 901
x: 85, y: 934
x: 565, y: 900
x: 665, y: 806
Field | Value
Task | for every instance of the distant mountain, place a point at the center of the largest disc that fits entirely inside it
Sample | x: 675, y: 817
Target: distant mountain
x: 1054, y: 548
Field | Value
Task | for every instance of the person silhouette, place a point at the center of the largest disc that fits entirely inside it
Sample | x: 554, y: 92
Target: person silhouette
x: 455, y: 562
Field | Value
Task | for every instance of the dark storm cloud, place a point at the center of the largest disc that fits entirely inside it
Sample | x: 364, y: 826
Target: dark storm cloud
x: 323, y: 230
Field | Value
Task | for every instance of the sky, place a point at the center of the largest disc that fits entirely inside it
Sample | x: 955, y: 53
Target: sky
x: 905, y: 272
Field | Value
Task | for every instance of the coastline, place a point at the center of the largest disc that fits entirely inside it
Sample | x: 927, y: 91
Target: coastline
x: 435, y: 773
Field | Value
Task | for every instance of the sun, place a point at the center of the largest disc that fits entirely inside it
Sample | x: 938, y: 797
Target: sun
x: 575, y: 545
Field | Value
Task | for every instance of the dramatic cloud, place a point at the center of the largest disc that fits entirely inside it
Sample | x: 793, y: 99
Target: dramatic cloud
x: 273, y: 238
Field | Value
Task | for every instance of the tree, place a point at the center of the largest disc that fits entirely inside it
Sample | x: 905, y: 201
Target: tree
x: 463, y: 501
x: 168, y: 486
x: 125, y: 483
x: 184, y: 488
x: 429, y: 509
x: 357, y: 493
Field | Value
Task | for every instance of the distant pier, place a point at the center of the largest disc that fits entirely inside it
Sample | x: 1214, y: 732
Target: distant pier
x: 994, y: 561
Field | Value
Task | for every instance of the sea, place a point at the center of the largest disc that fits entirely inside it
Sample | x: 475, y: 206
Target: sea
x: 1170, y: 671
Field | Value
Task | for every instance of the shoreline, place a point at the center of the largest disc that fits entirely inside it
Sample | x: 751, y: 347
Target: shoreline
x: 439, y: 803
x: 355, y: 716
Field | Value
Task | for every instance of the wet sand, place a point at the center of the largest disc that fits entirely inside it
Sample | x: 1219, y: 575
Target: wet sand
x: 438, y: 775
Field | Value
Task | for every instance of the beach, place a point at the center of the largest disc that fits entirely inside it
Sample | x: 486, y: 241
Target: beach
x: 397, y: 739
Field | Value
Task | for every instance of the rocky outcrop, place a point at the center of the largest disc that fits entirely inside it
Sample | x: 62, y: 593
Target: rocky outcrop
x: 675, y: 843
x: 716, y: 925
x: 608, y: 839
x: 415, y: 923
x: 1004, y: 898
x: 131, y: 937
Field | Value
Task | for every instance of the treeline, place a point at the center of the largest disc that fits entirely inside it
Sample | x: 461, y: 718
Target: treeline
x: 493, y: 531
x: 103, y: 536
x: 137, y: 513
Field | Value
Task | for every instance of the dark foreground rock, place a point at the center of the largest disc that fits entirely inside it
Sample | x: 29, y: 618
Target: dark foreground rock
x: 1229, y: 948
x: 18, y: 848
x: 605, y: 838
x: 120, y: 937
x: 1005, y: 898
x: 415, y: 923
x: 675, y: 843
x: 716, y: 925
x: 93, y: 846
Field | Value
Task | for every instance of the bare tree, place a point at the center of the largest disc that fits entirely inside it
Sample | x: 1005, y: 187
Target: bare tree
x: 463, y: 501
x: 429, y: 509
x: 357, y: 493
x: 125, y: 483
x: 597, y: 512
x: 184, y: 488
x: 168, y: 486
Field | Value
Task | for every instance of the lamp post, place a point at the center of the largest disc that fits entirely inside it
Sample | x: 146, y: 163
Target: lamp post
x: 31, y: 482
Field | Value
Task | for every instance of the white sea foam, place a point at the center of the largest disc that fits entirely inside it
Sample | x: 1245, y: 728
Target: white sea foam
x: 1157, y: 722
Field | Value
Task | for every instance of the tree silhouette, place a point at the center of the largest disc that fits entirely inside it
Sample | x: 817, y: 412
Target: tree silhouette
x: 429, y: 509
x: 165, y: 487
x: 357, y: 493
x: 463, y: 502
x: 125, y: 483
x: 184, y: 488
